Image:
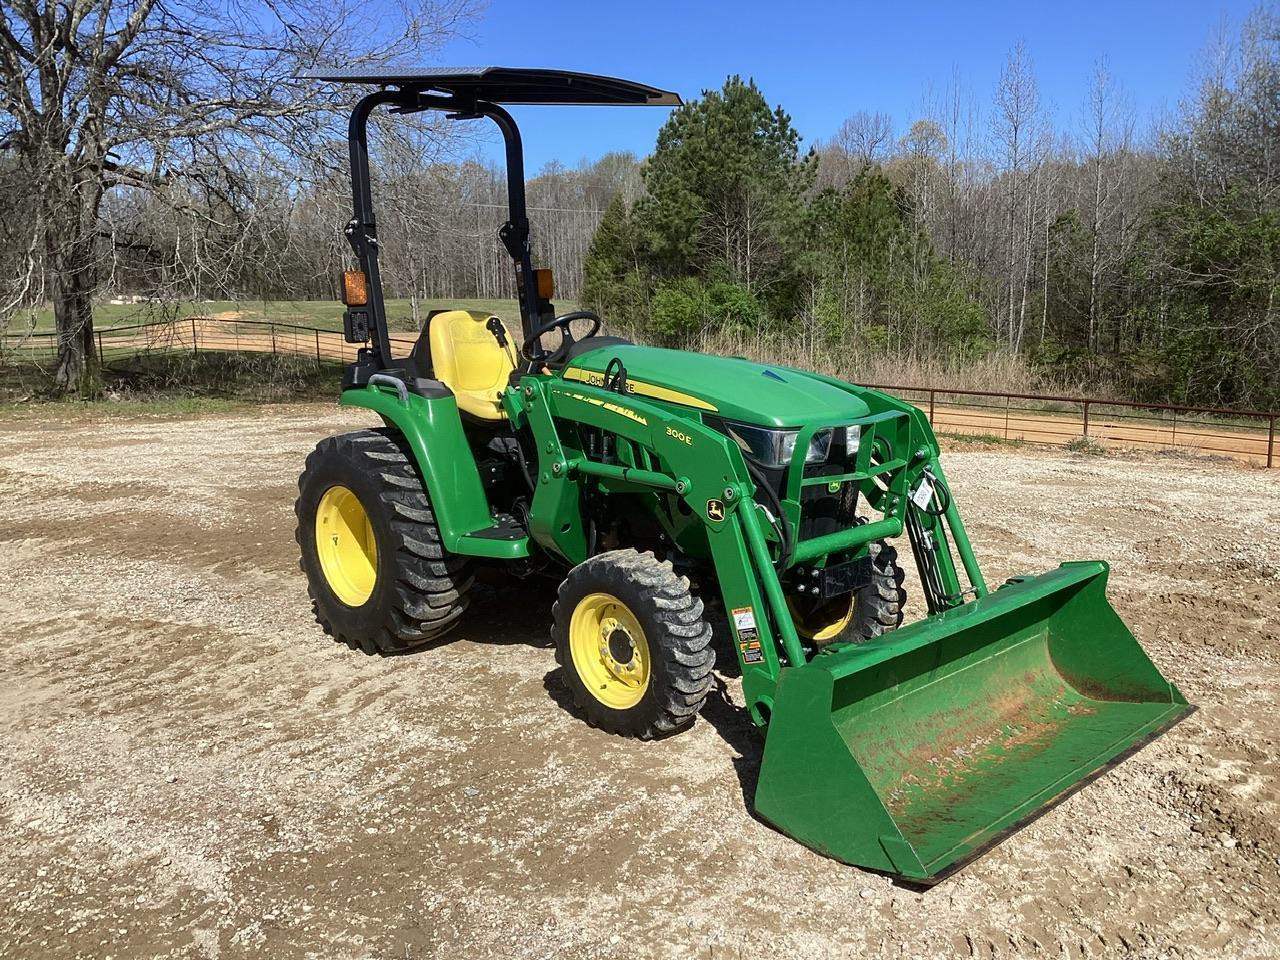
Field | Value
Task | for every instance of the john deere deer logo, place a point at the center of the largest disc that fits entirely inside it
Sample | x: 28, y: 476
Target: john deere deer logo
x: 715, y: 510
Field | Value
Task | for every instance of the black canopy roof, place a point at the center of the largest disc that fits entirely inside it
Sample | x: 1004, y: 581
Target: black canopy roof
x: 513, y: 85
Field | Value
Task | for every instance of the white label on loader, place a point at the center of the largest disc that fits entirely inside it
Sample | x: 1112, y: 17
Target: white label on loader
x: 744, y: 622
x: 923, y: 495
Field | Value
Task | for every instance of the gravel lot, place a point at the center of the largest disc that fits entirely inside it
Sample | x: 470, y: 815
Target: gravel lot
x: 192, y: 769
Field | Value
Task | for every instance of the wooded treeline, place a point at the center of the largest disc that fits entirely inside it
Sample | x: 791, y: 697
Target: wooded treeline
x: 151, y: 149
x: 1144, y: 260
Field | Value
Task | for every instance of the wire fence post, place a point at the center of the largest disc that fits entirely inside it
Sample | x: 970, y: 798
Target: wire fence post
x: 931, y: 396
x: 1173, y: 441
x: 317, y: 348
x: 195, y: 346
x: 1086, y: 418
x: 273, y: 339
x: 98, y: 335
x: 1271, y: 441
x: 1007, y: 398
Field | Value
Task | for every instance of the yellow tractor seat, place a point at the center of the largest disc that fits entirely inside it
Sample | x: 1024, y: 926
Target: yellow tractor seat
x: 468, y: 359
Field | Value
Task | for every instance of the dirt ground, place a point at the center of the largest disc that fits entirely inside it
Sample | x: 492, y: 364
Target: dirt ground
x: 190, y: 768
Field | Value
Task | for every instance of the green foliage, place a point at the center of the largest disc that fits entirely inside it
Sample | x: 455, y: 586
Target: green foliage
x: 730, y: 237
x: 1070, y: 244
x: 880, y: 280
x: 612, y: 282
x: 726, y: 187
x: 1170, y: 295
x: 1220, y: 345
x: 1215, y: 234
x: 715, y: 241
x: 689, y: 305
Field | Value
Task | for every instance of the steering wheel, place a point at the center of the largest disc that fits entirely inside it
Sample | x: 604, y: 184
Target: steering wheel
x: 563, y: 321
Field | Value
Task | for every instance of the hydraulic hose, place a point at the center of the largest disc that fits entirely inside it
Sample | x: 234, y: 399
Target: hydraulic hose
x: 941, y: 493
x: 524, y: 467
x: 786, y: 541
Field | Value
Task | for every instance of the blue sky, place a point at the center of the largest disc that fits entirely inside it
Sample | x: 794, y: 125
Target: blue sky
x: 825, y: 60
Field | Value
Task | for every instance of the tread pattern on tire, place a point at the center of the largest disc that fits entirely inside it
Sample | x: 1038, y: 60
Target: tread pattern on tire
x: 429, y: 593
x: 879, y: 605
x: 682, y: 640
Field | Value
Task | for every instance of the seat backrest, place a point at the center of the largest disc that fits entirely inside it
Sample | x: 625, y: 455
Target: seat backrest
x: 465, y: 355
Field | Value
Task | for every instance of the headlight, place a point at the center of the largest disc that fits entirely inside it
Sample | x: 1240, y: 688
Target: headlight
x: 771, y: 447
x: 775, y: 448
x: 819, y: 446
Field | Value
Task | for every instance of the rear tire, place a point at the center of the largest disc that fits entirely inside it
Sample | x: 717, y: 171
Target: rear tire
x: 379, y: 578
x: 632, y: 643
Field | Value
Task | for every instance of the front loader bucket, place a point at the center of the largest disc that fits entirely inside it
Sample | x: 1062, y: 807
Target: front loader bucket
x: 915, y: 752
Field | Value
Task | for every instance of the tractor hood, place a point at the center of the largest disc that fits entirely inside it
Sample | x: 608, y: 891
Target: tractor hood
x: 730, y: 387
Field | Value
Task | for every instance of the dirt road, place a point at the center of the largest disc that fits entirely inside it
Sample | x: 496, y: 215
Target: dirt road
x: 191, y: 769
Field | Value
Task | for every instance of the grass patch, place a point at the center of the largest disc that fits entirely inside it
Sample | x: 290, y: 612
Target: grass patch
x: 182, y: 383
x: 1085, y: 445
x: 982, y: 438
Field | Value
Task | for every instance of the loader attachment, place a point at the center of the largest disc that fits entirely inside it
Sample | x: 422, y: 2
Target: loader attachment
x: 915, y: 752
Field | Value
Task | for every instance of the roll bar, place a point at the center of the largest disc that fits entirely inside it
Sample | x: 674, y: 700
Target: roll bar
x: 463, y: 93
x: 362, y: 230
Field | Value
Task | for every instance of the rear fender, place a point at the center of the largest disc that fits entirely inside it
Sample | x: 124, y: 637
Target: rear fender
x: 449, y: 470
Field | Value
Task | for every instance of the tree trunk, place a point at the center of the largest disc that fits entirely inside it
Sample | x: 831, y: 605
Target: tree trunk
x: 1095, y: 253
x: 71, y: 262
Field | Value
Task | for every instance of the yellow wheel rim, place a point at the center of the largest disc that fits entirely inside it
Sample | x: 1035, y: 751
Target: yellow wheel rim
x: 346, y: 546
x: 609, y: 650
x: 827, y: 622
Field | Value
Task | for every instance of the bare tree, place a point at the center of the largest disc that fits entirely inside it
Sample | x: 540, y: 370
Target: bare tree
x: 1017, y: 130
x: 170, y: 98
x: 955, y: 112
x: 1108, y: 136
x: 864, y: 137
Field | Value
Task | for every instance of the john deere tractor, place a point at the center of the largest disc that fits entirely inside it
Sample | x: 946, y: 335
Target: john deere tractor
x: 675, y: 493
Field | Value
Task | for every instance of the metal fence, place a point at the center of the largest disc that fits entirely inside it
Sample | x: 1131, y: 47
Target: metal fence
x: 1247, y: 435
x: 196, y: 334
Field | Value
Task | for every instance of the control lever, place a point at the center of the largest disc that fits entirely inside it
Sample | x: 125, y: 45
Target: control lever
x: 494, y: 326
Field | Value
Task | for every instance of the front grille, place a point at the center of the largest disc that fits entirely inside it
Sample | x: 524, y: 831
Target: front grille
x: 823, y: 511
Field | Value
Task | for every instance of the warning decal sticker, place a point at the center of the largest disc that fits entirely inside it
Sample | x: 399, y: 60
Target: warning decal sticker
x: 744, y: 625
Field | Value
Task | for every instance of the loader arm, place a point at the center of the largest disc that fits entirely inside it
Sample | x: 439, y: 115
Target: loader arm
x: 677, y: 458
x: 670, y: 455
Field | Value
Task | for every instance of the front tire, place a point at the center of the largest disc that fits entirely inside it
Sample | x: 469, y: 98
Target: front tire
x: 868, y: 612
x: 379, y: 578
x: 633, y: 645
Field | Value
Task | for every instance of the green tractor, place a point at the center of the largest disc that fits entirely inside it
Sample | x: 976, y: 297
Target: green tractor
x: 681, y: 495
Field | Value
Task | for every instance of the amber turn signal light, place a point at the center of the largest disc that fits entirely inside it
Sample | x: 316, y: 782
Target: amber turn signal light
x: 355, y: 289
x: 546, y: 284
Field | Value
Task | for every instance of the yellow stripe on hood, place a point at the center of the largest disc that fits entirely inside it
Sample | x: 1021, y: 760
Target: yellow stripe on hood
x: 642, y: 389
